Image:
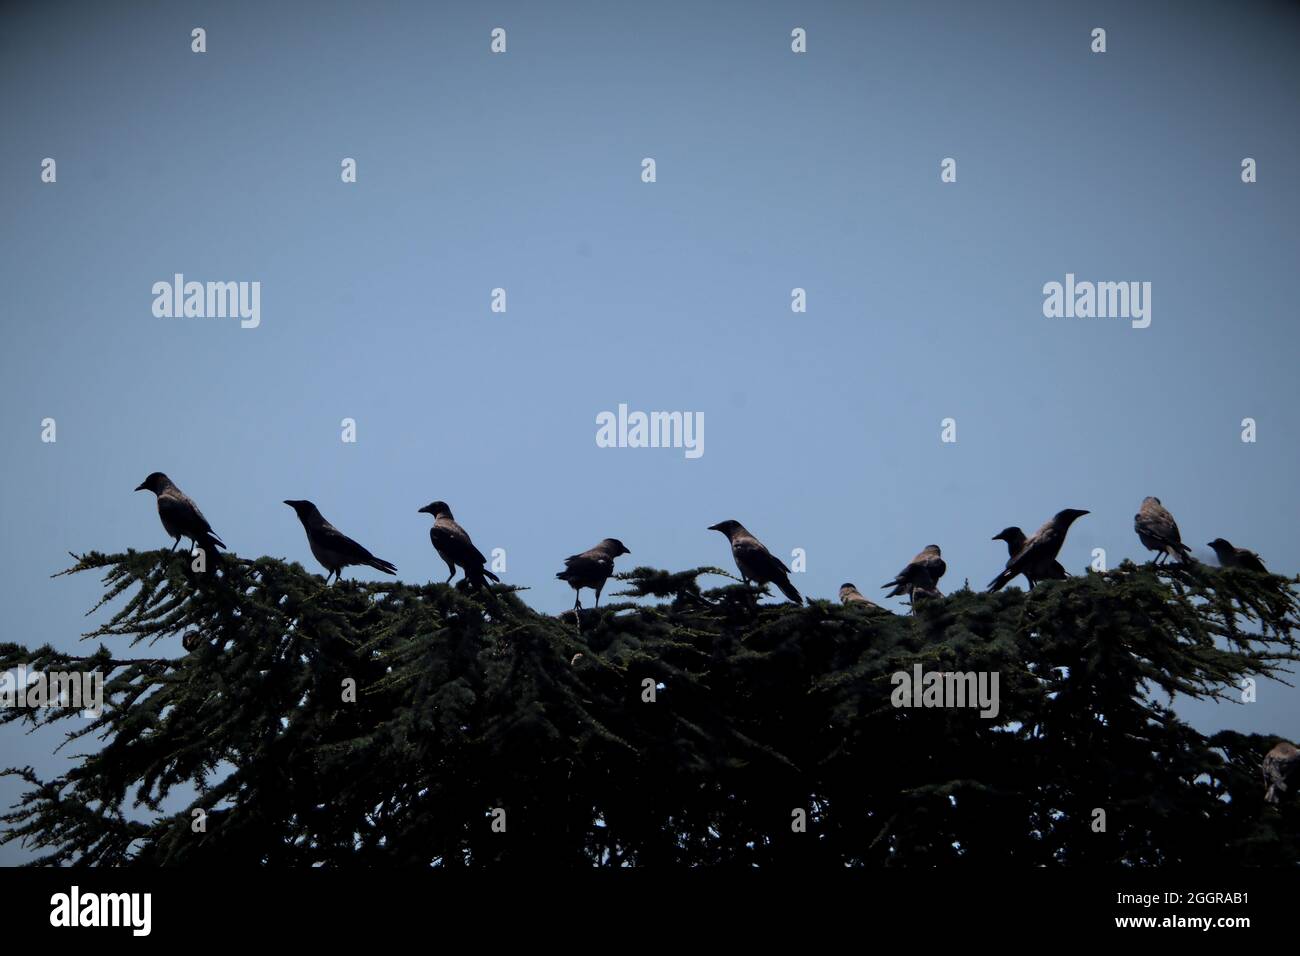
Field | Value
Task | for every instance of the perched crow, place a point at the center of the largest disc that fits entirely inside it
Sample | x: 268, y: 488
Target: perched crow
x: 850, y: 596
x: 1158, y: 531
x: 923, y: 571
x: 755, y: 562
x: 1231, y: 557
x: 181, y: 517
x: 1036, y: 557
x: 1279, y: 767
x: 1015, y: 539
x: 333, y: 549
x: 591, y: 569
x: 453, y: 545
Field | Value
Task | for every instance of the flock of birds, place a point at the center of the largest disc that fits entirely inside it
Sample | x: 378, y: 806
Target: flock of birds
x: 1034, y: 557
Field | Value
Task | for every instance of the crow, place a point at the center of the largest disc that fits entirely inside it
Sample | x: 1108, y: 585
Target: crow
x: 1279, y: 767
x: 332, y: 548
x: 923, y: 571
x: 1158, y: 531
x: 755, y: 562
x: 454, y: 546
x: 1015, y: 539
x: 850, y: 596
x: 181, y: 517
x: 591, y: 569
x: 1036, y: 557
x: 1231, y: 557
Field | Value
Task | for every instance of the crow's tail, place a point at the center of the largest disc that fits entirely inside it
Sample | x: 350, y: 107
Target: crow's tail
x: 1004, y: 576
x: 788, y: 589
x: 479, y: 576
x: 379, y: 564
x: 209, y: 543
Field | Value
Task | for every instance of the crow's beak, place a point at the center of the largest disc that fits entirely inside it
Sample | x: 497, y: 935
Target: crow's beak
x: 289, y: 503
x: 424, y: 510
x: 140, y: 487
x: 714, y: 527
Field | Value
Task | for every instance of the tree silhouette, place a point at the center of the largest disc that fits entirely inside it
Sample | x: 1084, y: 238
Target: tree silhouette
x: 691, y: 726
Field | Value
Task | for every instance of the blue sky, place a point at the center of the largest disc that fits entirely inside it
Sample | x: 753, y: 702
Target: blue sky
x: 522, y: 171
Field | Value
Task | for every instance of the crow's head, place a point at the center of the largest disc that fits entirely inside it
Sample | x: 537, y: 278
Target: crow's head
x: 304, y: 509
x: 155, y: 483
x: 614, y: 547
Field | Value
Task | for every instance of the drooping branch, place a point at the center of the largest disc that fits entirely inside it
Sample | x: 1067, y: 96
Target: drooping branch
x: 313, y: 725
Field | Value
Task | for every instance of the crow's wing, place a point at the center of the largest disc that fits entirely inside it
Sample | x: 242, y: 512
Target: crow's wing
x: 182, y: 512
x: 450, y: 538
x: 335, y: 541
x: 1250, y: 560
x: 589, y: 563
x: 754, y: 559
x: 1156, y: 522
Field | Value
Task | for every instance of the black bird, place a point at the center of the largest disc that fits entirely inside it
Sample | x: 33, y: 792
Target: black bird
x: 923, y: 571
x: 181, y: 517
x: 332, y: 548
x: 454, y: 546
x: 755, y: 562
x: 591, y: 569
x: 1279, y: 767
x: 1158, y: 531
x: 1036, y: 557
x: 1015, y: 539
x: 1231, y: 557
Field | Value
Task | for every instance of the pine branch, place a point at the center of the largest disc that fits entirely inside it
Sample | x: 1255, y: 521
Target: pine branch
x: 385, y: 723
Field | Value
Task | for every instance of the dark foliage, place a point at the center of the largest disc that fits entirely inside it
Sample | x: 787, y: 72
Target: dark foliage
x: 467, y: 702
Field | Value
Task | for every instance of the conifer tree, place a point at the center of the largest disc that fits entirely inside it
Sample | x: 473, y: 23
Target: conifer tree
x: 285, y: 722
